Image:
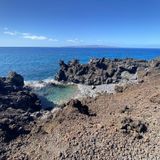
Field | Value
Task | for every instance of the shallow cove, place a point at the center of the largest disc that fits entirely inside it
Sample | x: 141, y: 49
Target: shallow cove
x: 52, y: 94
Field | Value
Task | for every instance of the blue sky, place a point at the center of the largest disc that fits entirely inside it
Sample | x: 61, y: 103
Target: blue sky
x: 119, y: 23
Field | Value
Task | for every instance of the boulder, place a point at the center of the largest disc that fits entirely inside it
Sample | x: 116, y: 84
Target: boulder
x: 14, y: 94
x: 15, y: 79
x: 119, y: 89
x: 75, y: 103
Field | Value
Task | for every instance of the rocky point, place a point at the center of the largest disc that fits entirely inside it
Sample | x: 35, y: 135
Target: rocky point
x: 101, y: 71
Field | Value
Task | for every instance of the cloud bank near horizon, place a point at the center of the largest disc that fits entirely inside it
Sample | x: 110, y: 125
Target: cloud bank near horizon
x: 29, y: 36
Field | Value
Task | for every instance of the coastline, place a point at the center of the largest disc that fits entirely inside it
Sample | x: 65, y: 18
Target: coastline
x: 115, y: 120
x: 82, y: 90
x: 121, y: 77
x: 61, y: 132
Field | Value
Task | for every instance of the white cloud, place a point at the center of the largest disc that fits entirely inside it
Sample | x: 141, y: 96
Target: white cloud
x: 25, y: 34
x: 53, y: 40
x: 10, y: 33
x: 71, y: 40
x: 76, y: 40
x: 34, y: 37
x: 29, y: 36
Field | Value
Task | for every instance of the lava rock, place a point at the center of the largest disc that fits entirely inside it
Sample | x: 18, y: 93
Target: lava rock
x: 75, y: 103
x: 119, y: 89
x: 99, y: 71
x: 16, y: 106
x: 15, y: 79
x: 129, y: 126
x: 14, y: 94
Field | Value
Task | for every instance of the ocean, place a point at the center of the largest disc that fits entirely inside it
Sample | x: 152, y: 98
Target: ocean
x: 36, y: 64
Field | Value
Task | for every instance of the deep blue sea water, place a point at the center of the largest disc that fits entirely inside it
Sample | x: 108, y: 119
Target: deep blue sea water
x: 42, y: 63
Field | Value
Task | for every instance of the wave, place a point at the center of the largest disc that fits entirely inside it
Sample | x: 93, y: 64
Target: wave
x: 38, y: 84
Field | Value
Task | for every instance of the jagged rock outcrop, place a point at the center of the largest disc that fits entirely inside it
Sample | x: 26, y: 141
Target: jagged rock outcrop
x: 13, y: 94
x: 16, y: 106
x: 100, y: 71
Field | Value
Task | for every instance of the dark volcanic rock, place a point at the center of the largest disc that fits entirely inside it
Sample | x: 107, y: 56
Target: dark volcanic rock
x: 99, y: 71
x: 13, y: 82
x: 119, y: 89
x: 15, y: 79
x: 16, y: 106
x: 13, y: 124
x: 14, y: 94
x: 129, y: 126
x: 78, y: 105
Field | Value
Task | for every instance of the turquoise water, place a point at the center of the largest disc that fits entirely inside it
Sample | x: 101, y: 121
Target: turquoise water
x: 57, y: 94
x: 42, y: 63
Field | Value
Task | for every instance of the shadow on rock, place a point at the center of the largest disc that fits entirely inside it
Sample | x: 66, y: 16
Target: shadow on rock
x: 83, y: 109
x: 46, y: 104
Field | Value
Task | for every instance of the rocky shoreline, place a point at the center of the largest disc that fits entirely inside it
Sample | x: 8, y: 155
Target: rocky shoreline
x: 102, y: 71
x: 104, y: 127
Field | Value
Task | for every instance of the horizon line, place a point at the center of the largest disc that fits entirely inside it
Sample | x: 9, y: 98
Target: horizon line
x: 89, y: 46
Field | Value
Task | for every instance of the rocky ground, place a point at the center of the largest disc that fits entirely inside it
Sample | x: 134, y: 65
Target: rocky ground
x: 17, y: 104
x: 122, y: 126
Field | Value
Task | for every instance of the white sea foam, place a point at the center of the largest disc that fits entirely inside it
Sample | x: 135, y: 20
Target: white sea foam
x: 38, y: 84
x: 42, y: 83
x: 34, y: 84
